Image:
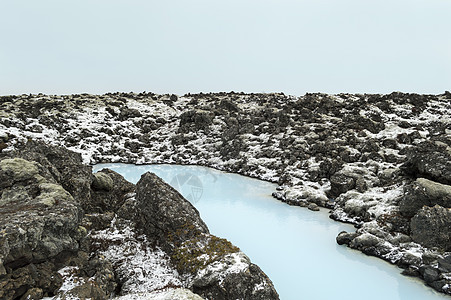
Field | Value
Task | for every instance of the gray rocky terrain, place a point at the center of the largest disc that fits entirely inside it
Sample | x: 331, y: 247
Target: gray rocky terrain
x: 66, y: 233
x: 381, y: 162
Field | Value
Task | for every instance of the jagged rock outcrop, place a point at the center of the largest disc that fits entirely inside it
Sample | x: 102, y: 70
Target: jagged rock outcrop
x: 162, y: 213
x: 341, y: 183
x: 357, y: 154
x: 194, y: 120
x: 109, y: 191
x: 249, y: 282
x: 66, y: 167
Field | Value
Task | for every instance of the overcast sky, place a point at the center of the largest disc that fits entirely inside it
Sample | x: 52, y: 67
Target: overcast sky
x: 180, y: 46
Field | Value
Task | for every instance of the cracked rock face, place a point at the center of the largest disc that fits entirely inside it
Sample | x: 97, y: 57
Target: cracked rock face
x: 430, y: 160
x: 109, y: 192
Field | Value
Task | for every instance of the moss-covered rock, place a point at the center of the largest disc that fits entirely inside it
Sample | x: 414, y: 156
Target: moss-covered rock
x: 163, y: 214
x: 102, y: 181
x: 18, y: 169
x: 200, y: 251
x: 53, y: 194
x: 109, y: 192
x: 39, y: 227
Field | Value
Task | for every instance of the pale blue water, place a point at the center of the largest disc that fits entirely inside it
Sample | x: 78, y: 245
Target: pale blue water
x: 294, y: 246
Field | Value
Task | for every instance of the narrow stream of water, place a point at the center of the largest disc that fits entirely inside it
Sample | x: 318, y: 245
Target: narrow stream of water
x: 295, y: 247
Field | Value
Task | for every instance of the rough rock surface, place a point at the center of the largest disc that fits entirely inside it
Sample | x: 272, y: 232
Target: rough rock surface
x: 424, y: 192
x: 65, y: 167
x: 357, y: 154
x: 109, y: 191
x: 431, y: 227
x: 430, y: 160
x: 57, y: 242
x: 162, y: 211
x: 193, y: 120
x: 39, y: 228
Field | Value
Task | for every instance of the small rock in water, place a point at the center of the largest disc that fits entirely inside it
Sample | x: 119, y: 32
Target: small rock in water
x: 313, y: 207
x: 345, y: 237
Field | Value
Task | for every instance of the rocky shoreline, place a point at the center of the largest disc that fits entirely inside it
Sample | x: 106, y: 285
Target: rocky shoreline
x: 381, y: 162
x: 69, y: 234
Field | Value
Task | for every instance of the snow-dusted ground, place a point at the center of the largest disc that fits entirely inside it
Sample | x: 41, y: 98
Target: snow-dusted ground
x: 95, y: 127
x: 139, y: 268
x: 144, y: 272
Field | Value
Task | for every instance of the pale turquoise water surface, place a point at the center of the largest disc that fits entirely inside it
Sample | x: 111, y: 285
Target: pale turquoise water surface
x: 294, y: 246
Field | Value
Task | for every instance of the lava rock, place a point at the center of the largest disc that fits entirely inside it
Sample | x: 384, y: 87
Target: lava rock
x: 102, y: 182
x: 429, y: 273
x: 345, y: 237
x: 195, y: 120
x: 430, y: 161
x: 341, y: 183
x: 163, y: 214
x: 39, y: 221
x: 127, y: 113
x: 364, y: 241
x: 66, y: 167
x: 313, y: 207
x: 109, y: 191
x: 424, y: 192
x: 249, y: 283
x: 444, y: 264
x: 228, y: 105
x: 431, y: 227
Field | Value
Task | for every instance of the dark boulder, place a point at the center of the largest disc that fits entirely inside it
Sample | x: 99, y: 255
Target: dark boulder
x: 431, y: 227
x: 429, y: 273
x: 173, y: 223
x: 162, y: 213
x: 444, y: 264
x: 228, y: 105
x: 424, y: 192
x: 64, y: 166
x: 195, y: 120
x: 109, y: 191
x: 39, y: 221
x: 127, y: 113
x: 250, y: 284
x: 429, y: 160
x: 345, y: 237
x: 341, y: 183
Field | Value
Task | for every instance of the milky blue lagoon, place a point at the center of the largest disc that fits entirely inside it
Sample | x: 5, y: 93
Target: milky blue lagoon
x: 295, y: 247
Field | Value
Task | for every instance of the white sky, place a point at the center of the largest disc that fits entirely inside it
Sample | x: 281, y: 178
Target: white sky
x: 180, y: 46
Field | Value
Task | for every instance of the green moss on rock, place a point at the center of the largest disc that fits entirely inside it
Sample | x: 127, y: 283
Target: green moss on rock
x: 19, y: 169
x: 200, y: 251
x: 52, y: 194
x: 102, y: 181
